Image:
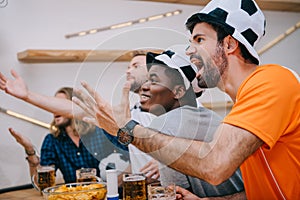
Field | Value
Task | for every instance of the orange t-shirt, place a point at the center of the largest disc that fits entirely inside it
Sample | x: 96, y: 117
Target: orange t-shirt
x: 268, y: 105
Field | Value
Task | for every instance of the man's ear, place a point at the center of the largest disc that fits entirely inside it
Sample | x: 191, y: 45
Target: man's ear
x: 230, y: 44
x: 179, y: 91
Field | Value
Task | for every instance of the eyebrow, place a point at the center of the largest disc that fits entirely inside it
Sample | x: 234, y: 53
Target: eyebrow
x: 153, y: 74
x: 195, y: 36
x: 135, y: 64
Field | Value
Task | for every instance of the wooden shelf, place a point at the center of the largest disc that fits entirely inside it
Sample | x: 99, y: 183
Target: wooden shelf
x: 276, y: 5
x: 57, y: 56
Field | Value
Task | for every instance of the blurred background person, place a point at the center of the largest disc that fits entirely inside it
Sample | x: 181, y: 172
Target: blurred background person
x: 136, y: 73
x: 63, y: 147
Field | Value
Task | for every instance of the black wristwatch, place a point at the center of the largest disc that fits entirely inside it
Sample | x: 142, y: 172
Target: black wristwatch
x: 125, y: 134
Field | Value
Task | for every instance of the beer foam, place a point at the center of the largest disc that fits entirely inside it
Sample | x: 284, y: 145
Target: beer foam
x: 134, y: 178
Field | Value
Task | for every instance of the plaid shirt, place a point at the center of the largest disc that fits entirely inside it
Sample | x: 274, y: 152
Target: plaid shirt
x: 66, y: 156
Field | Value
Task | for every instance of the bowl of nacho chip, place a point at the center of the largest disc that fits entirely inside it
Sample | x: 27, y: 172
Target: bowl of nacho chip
x: 71, y: 191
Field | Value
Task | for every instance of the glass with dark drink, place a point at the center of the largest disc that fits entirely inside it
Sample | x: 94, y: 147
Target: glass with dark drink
x: 156, y: 191
x: 45, y: 177
x: 134, y: 187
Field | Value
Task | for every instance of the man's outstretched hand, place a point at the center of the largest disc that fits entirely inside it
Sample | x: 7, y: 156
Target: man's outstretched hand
x: 22, y: 140
x: 15, y: 87
x: 100, y: 112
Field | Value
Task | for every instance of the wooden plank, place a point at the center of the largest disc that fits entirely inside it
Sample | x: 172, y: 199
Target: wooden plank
x: 275, y: 5
x: 56, y: 56
x: 218, y: 105
x: 280, y: 5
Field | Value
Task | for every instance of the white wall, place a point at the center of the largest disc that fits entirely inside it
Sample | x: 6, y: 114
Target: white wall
x: 35, y: 24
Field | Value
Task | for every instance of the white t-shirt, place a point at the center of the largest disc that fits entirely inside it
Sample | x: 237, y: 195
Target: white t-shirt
x: 138, y: 158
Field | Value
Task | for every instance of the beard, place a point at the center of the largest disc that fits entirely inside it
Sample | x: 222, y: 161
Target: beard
x: 64, y: 124
x: 135, y: 87
x: 214, y: 69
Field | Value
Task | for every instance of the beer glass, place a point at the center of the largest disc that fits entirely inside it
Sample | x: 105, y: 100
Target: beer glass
x: 134, y: 187
x: 158, y: 192
x: 45, y: 177
x: 87, y: 175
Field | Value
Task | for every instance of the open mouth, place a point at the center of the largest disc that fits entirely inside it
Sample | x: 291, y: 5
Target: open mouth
x: 198, y: 63
x: 57, y: 116
x: 144, y: 98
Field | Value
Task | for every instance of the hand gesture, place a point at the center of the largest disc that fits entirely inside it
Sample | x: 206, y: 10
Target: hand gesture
x: 87, y: 103
x: 98, y: 111
x: 22, y: 140
x: 15, y: 87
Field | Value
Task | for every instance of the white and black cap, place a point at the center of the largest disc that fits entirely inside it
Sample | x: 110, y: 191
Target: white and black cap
x: 242, y: 19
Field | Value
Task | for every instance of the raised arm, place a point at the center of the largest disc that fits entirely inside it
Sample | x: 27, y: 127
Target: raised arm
x: 213, y: 162
x: 32, y: 158
x: 17, y: 87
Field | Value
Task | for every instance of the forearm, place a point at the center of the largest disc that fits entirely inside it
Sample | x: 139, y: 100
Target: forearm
x: 33, y: 162
x: 54, y: 105
x: 213, y: 162
x: 177, y: 153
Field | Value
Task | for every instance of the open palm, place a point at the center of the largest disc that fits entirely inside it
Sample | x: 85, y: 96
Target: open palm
x: 22, y: 140
x: 15, y: 87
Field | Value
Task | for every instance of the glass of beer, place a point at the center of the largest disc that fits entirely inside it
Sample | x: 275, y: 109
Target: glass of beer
x: 45, y: 177
x: 156, y: 191
x: 134, y: 187
x: 87, y: 175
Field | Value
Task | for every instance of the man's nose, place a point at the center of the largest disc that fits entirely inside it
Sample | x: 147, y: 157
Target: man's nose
x: 190, y: 50
x: 146, y: 85
x: 128, y: 71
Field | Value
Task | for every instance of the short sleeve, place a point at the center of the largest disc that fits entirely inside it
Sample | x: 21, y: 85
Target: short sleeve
x: 264, y: 106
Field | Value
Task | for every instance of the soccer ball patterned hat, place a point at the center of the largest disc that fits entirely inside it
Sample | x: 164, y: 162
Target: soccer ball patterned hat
x: 176, y: 61
x: 242, y: 19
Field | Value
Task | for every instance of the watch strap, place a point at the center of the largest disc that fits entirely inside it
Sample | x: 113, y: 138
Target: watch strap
x: 30, y: 153
x: 125, y: 134
x: 130, y: 125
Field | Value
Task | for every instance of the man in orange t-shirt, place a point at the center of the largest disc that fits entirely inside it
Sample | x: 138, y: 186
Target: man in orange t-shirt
x: 267, y: 105
x: 261, y: 133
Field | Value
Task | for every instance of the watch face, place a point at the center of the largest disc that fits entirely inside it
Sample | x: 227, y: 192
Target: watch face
x: 124, y: 136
